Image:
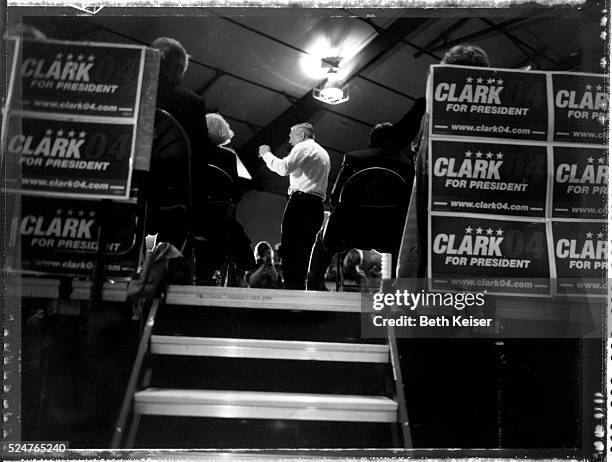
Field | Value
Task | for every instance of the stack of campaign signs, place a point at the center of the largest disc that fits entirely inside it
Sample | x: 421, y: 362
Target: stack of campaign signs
x: 72, y: 131
x: 518, y: 173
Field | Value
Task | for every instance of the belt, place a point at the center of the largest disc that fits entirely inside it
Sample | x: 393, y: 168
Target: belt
x: 301, y: 193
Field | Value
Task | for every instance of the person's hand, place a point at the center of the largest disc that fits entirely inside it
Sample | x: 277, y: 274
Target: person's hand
x: 264, y: 148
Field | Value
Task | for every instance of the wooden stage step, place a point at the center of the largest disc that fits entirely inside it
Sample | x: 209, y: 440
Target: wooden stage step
x: 265, y: 405
x: 279, y: 299
x: 209, y: 296
x: 269, y: 349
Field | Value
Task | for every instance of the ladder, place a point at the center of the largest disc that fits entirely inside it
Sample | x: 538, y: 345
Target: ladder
x: 143, y: 400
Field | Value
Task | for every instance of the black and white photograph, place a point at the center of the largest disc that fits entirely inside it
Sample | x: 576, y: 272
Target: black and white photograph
x: 305, y: 230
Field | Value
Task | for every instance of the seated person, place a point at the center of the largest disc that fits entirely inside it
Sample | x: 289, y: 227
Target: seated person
x: 220, y: 135
x: 266, y: 276
x: 182, y: 103
x: 381, y: 153
x: 226, y: 238
x: 169, y: 180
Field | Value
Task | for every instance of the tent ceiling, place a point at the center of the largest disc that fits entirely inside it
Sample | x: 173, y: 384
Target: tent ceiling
x: 249, y: 64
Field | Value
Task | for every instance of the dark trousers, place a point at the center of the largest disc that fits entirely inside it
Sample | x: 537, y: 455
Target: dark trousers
x: 301, y: 221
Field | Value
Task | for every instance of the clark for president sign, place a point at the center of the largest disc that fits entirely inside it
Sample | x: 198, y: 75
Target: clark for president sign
x: 490, y: 103
x: 499, y: 179
x: 496, y: 255
x: 59, y: 236
x: 86, y: 79
x: 581, y: 108
x: 72, y: 158
x: 580, y: 257
x: 580, y: 185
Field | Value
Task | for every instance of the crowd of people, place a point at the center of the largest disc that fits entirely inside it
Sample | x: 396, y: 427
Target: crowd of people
x: 307, y: 249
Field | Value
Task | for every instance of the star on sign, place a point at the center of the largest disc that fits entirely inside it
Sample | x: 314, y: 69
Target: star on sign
x: 489, y: 155
x: 90, y: 58
x: 598, y: 88
x: 499, y: 232
x: 479, y: 230
x: 49, y: 132
x: 499, y: 155
x: 80, y: 57
x: 479, y: 80
x: 500, y: 82
x: 588, y: 86
x: 82, y: 134
x: 489, y: 231
x: 589, y: 235
x: 490, y: 81
x: 468, y: 154
x: 469, y: 79
x: 69, y: 213
x: 478, y: 154
x: 590, y: 160
x: 70, y: 56
x: 92, y: 214
x: 600, y: 235
x: 58, y: 56
x: 71, y: 133
x: 58, y: 212
x: 60, y: 132
x: 468, y: 230
x: 601, y: 160
x: 81, y: 213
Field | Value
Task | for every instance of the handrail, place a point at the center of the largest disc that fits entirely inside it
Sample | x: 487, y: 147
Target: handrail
x: 399, y: 393
x: 143, y: 348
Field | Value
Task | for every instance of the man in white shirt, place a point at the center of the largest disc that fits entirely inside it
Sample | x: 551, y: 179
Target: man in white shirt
x: 307, y: 166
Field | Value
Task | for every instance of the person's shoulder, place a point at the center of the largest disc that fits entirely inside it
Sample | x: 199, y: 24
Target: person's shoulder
x: 188, y: 96
x: 396, y: 154
x: 319, y: 147
x: 361, y: 154
x: 309, y: 146
x: 183, y: 90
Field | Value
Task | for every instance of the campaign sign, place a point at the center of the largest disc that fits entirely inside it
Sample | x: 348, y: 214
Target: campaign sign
x: 580, y: 257
x: 581, y: 108
x: 491, y: 103
x: 580, y: 185
x: 68, y: 158
x: 80, y: 78
x: 496, y: 255
x: 498, y: 179
x: 59, y: 236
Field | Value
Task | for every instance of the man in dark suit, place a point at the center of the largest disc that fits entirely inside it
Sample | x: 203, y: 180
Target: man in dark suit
x: 189, y: 109
x: 382, y: 152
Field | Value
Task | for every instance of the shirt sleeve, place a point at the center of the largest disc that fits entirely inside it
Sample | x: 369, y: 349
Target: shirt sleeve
x: 285, y: 166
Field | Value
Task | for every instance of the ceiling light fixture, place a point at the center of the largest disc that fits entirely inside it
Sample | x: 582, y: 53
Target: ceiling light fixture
x: 330, y: 90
